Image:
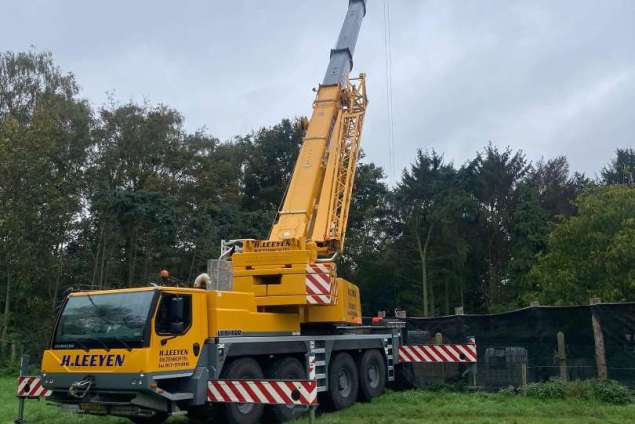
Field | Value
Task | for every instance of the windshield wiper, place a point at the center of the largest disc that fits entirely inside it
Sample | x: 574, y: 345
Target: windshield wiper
x: 82, y: 345
x: 123, y: 342
x: 101, y: 342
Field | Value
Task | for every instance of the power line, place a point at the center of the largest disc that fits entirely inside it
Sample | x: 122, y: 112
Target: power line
x: 389, y: 102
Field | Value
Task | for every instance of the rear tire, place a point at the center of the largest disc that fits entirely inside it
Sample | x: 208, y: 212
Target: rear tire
x: 287, y: 368
x: 343, y: 381
x: 157, y: 418
x: 372, y: 375
x: 242, y: 413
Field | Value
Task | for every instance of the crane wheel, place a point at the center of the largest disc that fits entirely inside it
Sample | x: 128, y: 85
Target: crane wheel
x: 242, y: 413
x: 372, y: 375
x: 157, y: 418
x: 286, y: 368
x: 343, y: 381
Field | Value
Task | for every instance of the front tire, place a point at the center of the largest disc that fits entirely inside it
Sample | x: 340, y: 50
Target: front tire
x: 242, y: 413
x: 288, y: 368
x: 343, y: 381
x: 372, y: 375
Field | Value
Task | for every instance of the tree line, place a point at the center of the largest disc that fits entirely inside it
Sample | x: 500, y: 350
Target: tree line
x: 105, y: 197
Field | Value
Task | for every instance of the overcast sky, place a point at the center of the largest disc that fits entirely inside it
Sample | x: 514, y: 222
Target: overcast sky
x: 548, y: 77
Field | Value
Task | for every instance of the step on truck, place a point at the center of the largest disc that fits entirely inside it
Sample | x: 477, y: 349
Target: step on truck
x: 271, y: 329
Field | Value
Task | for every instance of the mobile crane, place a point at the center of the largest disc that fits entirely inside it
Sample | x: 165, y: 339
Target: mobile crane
x: 286, y: 330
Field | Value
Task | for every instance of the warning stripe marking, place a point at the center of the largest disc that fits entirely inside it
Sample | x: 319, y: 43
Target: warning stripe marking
x: 320, y: 284
x: 32, y: 387
x: 324, y: 268
x: 263, y: 392
x: 448, y: 353
x: 319, y: 299
x: 316, y: 284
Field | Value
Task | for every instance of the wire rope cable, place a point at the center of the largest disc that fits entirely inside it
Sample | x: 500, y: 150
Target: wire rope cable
x: 389, y: 97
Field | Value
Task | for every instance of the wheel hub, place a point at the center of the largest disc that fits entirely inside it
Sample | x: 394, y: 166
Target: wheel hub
x: 245, y: 408
x: 373, y: 375
x: 344, y: 383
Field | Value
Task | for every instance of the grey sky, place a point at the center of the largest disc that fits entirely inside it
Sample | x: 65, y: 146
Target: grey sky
x: 549, y: 77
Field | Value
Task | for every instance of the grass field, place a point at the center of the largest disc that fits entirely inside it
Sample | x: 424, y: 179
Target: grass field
x: 396, y: 407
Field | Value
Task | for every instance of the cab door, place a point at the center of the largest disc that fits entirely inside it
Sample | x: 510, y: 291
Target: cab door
x: 178, y: 331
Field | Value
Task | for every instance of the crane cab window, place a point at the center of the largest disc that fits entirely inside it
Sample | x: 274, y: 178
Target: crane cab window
x: 174, y: 315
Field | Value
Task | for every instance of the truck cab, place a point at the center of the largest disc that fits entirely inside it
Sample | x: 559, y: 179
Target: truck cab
x: 132, y: 352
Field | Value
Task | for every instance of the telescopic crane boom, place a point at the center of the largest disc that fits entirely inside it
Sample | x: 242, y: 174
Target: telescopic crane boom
x: 317, y: 202
x: 310, y: 227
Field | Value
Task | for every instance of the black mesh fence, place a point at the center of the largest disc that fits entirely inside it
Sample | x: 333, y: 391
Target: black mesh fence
x: 522, y: 346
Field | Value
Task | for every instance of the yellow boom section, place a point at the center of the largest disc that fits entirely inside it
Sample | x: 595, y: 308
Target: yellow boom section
x: 318, y: 199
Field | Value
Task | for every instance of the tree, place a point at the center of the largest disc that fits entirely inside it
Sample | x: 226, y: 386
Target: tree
x: 529, y: 232
x: 44, y: 141
x: 269, y: 162
x: 493, y: 178
x: 555, y: 188
x: 366, y: 235
x: 428, y: 206
x: 621, y: 170
x: 591, y: 254
x: 138, y: 168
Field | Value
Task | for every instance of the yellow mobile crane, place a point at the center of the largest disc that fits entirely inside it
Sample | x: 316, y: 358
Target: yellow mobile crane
x: 286, y: 327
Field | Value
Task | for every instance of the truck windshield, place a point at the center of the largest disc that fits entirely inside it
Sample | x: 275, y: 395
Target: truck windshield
x: 104, y: 321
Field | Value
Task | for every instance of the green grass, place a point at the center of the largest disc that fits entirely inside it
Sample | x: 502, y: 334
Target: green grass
x: 478, y: 408
x: 395, y: 407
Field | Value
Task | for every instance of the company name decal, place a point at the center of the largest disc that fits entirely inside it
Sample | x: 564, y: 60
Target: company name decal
x: 173, y: 358
x: 107, y: 360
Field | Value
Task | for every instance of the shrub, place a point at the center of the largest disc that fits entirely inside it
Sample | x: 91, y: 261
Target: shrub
x: 612, y: 392
x: 604, y: 391
x: 579, y: 389
x: 552, y: 389
x: 508, y: 391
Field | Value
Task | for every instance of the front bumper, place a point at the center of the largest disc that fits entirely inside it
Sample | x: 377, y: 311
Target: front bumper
x: 129, y: 394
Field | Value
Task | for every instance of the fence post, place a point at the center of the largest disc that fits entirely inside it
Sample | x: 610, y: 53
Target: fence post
x: 24, y: 370
x: 13, y: 353
x: 562, y: 355
x: 600, y: 355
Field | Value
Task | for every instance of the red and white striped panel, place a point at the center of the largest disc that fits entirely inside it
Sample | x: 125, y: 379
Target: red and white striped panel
x: 32, y: 387
x: 319, y: 299
x: 263, y: 391
x: 438, y: 353
x: 319, y: 284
